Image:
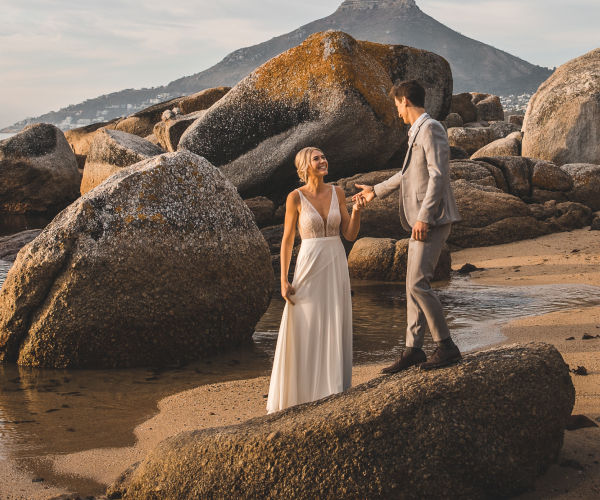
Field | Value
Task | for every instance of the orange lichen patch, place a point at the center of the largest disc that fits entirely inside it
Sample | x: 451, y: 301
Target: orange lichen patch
x: 119, y: 209
x: 326, y: 60
x: 142, y: 216
x: 129, y: 219
x: 386, y: 54
x: 158, y: 218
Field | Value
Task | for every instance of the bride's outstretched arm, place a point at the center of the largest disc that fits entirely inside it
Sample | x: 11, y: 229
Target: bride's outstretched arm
x: 350, y: 223
x: 287, y: 243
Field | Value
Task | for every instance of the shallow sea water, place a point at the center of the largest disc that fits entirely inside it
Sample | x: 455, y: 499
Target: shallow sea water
x: 45, y: 412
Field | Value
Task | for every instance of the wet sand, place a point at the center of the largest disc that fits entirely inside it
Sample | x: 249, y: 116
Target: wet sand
x: 572, y: 257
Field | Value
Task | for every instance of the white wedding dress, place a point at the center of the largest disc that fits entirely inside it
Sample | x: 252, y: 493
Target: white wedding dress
x: 313, y: 357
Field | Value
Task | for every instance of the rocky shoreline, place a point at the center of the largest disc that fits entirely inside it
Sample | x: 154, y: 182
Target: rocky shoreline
x: 167, y: 257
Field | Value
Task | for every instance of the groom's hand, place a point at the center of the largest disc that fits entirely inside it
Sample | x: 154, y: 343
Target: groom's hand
x: 420, y: 230
x: 367, y: 193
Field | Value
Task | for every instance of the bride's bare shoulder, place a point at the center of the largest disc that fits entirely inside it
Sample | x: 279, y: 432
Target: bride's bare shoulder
x: 293, y: 197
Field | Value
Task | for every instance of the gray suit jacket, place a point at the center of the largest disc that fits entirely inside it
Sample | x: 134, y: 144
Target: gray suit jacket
x: 424, y: 181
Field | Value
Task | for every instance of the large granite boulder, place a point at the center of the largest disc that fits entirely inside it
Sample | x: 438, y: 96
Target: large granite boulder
x: 384, y: 259
x: 517, y: 172
x: 507, y: 146
x: 331, y: 91
x: 160, y: 264
x: 380, y: 219
x: 453, y: 120
x: 502, y: 129
x: 562, y: 216
x: 38, y: 171
x: 80, y: 139
x: 263, y: 210
x: 169, y: 131
x: 546, y: 175
x: 476, y: 172
x: 462, y: 104
x: 488, y: 106
x: 485, y: 428
x: 586, y: 183
x: 562, y: 122
x: 470, y: 138
x: 491, y: 217
x: 111, y: 151
x: 142, y: 123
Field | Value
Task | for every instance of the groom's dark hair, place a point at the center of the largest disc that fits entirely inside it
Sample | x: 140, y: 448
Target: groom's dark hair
x: 412, y: 90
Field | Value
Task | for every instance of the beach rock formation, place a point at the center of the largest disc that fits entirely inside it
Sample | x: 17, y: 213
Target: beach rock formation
x: 38, y: 171
x: 477, y: 172
x: 470, y: 138
x: 586, y: 183
x: 11, y: 244
x: 477, y: 107
x: 562, y: 122
x: 111, y: 151
x: 516, y: 120
x: 384, y: 259
x: 485, y: 429
x: 169, y: 131
x: 380, y: 219
x: 507, y: 146
x: 453, y: 120
x: 142, y: 123
x: 263, y: 210
x: 491, y: 217
x: 80, y: 139
x: 331, y: 91
x: 160, y: 264
x: 489, y: 107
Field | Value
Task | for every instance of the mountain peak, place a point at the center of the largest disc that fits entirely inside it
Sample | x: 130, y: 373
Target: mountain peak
x: 376, y: 4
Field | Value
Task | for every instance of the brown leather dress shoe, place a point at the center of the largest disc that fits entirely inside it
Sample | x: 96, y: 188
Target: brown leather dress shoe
x: 411, y: 356
x: 442, y: 356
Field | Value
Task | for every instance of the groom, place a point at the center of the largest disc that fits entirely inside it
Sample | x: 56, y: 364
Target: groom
x: 427, y: 209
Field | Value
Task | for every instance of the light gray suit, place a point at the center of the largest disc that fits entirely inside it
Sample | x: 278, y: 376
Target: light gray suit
x: 425, y: 195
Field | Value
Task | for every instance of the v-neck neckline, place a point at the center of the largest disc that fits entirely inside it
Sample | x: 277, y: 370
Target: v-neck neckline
x: 324, y: 219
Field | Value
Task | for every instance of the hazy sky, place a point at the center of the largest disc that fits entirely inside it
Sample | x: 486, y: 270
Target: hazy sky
x: 59, y: 52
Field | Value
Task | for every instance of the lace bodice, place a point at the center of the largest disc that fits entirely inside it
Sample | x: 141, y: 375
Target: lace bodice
x: 310, y: 222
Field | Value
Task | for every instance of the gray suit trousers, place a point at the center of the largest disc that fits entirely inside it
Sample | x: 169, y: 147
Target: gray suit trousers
x: 423, y: 308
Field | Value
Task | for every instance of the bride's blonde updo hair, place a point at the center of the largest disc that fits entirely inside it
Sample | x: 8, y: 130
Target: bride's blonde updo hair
x: 302, y: 162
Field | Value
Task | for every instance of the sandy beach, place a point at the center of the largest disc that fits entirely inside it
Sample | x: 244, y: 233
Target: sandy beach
x: 572, y: 257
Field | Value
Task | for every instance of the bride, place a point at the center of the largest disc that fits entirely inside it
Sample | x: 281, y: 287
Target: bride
x: 313, y: 357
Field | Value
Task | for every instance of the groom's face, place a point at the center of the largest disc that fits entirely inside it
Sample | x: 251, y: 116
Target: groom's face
x: 401, y: 106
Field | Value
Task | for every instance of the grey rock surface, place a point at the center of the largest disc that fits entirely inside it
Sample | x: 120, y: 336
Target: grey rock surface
x: 168, y: 132
x: 562, y: 122
x: 142, y: 123
x: 111, y: 151
x: 11, y: 244
x: 586, y: 183
x: 161, y: 264
x: 470, y: 138
x: 331, y: 92
x: 385, y: 259
x: 38, y: 171
x: 508, y: 146
x: 488, y: 106
x: 485, y: 428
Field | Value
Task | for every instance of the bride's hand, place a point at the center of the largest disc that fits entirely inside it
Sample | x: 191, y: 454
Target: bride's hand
x: 287, y: 290
x: 359, y: 203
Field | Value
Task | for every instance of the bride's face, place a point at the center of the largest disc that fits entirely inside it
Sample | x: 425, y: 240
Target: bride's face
x: 318, y: 166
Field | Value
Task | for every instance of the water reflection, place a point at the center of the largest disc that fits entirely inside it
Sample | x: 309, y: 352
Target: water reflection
x: 475, y: 313
x: 15, y: 223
